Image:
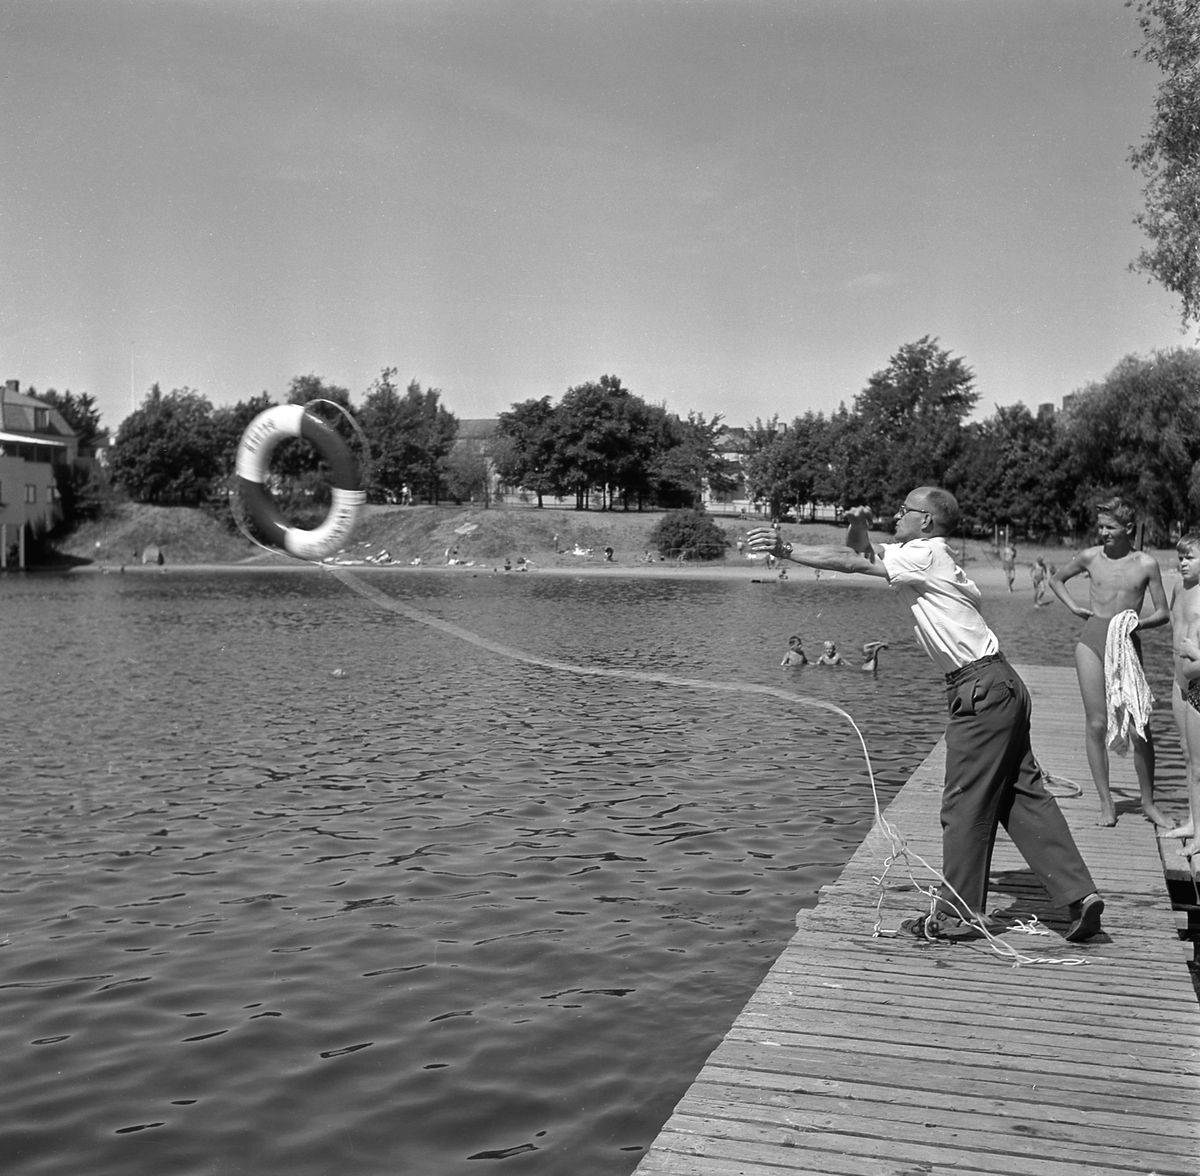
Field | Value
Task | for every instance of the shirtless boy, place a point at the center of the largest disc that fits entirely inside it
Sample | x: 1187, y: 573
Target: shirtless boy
x: 1185, y: 691
x: 795, y: 655
x: 1039, y: 573
x: 1008, y: 560
x: 831, y: 657
x: 1118, y: 579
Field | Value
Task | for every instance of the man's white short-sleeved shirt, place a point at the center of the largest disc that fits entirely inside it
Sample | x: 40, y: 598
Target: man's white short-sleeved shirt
x: 944, y: 602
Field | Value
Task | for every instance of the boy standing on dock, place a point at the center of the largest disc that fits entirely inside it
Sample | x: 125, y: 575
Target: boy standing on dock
x: 1118, y: 579
x: 991, y: 775
x: 1185, y: 690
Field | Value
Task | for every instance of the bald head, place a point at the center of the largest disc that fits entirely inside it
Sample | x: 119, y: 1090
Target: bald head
x: 941, y: 505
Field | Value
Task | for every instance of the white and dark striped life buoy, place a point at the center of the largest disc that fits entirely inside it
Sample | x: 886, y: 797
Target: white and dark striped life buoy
x: 254, y: 458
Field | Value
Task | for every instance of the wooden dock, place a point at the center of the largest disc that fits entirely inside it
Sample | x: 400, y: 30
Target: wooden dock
x: 894, y: 1057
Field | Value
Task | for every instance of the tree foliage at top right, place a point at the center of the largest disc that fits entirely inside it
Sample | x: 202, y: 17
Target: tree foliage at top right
x: 1169, y: 157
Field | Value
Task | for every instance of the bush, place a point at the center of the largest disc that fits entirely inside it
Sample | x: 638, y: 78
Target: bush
x: 690, y: 534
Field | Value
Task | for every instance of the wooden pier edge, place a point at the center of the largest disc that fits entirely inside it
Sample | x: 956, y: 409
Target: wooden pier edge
x: 883, y: 1055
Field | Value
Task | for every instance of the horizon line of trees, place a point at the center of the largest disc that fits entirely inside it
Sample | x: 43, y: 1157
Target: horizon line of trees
x: 1135, y: 432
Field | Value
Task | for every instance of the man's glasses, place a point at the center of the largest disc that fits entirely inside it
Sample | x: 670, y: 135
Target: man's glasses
x: 909, y: 510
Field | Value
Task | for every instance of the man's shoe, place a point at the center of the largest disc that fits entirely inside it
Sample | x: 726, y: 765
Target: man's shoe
x: 1085, y: 918
x: 944, y: 928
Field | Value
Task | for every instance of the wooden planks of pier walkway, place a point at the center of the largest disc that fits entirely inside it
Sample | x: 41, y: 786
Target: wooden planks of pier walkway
x: 894, y: 1057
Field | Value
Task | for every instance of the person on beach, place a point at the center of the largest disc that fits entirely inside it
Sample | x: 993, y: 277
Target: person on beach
x: 795, y: 655
x: 831, y: 657
x: 1038, y: 575
x: 1118, y: 579
x: 1008, y: 561
x: 992, y: 777
x: 1185, y: 690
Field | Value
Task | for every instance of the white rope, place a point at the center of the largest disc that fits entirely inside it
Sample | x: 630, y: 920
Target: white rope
x: 900, y: 850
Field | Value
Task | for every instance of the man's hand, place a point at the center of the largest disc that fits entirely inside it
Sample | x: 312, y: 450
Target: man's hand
x: 766, y: 541
x: 858, y: 530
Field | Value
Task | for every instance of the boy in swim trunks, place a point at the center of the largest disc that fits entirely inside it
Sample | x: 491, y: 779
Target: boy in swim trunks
x: 795, y: 655
x: 1008, y: 561
x: 1185, y: 690
x: 1038, y: 575
x: 1118, y: 579
x: 831, y: 657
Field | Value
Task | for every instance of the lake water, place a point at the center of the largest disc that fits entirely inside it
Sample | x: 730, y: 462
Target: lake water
x: 443, y: 913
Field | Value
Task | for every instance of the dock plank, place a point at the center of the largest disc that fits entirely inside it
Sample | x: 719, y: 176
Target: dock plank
x: 881, y: 1055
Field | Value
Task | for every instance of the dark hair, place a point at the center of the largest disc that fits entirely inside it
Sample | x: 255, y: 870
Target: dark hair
x: 1116, y: 507
x: 1188, y: 542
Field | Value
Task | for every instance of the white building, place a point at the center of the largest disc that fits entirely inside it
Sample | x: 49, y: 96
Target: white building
x: 34, y: 439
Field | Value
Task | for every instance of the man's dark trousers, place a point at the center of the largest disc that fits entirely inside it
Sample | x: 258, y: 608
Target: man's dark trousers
x: 992, y: 778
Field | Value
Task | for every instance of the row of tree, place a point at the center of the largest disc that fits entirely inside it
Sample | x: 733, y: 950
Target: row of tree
x: 600, y: 436
x: 1137, y: 432
x: 177, y: 448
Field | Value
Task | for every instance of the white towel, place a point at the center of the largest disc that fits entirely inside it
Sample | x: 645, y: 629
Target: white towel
x: 1129, y: 697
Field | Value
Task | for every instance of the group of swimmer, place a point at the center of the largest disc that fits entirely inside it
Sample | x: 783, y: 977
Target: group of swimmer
x: 796, y: 657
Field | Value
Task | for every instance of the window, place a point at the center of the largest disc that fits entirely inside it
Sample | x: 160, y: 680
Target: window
x: 41, y: 419
x: 31, y: 494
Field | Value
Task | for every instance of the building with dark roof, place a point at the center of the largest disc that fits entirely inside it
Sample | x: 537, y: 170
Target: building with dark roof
x: 34, y: 440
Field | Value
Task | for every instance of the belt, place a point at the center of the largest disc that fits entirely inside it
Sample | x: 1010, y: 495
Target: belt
x: 965, y: 671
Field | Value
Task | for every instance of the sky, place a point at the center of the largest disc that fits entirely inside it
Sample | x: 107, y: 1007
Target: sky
x: 737, y: 207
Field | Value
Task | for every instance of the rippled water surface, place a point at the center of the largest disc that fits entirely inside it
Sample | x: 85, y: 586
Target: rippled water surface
x: 442, y: 913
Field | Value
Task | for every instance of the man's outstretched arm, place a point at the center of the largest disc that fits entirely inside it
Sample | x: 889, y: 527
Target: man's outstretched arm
x: 830, y: 558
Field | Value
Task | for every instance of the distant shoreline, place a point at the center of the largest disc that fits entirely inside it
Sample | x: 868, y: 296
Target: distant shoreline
x: 990, y: 580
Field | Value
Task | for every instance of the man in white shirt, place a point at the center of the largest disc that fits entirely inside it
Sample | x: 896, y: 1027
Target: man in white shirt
x: 992, y: 777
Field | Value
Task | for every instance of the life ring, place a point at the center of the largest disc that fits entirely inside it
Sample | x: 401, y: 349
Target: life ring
x: 254, y: 458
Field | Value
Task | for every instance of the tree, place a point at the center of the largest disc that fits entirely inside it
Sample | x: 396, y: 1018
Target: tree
x: 688, y: 534
x: 595, y: 428
x: 384, y: 423
x: 692, y: 460
x: 1013, y: 469
x: 1169, y: 157
x: 910, y: 422
x: 429, y: 429
x: 468, y: 472
x: 846, y: 478
x: 229, y: 423
x: 787, y: 470
x: 165, y: 451
x: 295, y: 460
x: 1138, y: 431
x: 530, y: 458
x: 81, y: 413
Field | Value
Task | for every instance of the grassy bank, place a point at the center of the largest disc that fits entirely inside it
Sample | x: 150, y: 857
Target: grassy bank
x: 189, y: 536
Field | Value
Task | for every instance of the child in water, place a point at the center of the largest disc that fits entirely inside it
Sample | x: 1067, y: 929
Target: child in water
x: 831, y: 657
x: 1185, y: 691
x: 795, y: 655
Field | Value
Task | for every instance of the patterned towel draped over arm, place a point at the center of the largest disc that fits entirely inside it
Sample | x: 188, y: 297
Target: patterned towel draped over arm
x: 1129, y: 697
